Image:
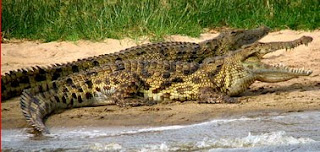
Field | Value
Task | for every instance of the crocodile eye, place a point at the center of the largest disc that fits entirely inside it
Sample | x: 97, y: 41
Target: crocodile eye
x: 233, y: 32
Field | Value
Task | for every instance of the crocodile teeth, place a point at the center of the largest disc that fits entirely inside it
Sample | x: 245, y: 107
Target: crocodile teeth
x: 293, y: 70
x: 280, y: 65
x: 302, y: 71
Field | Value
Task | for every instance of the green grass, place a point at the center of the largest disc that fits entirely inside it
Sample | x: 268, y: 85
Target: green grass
x: 50, y: 20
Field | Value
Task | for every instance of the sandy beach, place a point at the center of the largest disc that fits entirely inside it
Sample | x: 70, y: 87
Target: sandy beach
x: 296, y: 95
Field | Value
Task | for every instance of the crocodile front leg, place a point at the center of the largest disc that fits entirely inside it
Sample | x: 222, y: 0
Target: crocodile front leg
x: 209, y: 95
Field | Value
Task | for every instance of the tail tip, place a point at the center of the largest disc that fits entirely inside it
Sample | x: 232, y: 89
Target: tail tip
x: 30, y: 107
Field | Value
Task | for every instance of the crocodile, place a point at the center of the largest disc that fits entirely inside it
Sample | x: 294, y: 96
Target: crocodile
x: 148, y: 82
x: 15, y: 81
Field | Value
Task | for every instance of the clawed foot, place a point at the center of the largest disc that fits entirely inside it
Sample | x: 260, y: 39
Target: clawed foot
x: 208, y: 95
x: 134, y: 102
x: 219, y: 99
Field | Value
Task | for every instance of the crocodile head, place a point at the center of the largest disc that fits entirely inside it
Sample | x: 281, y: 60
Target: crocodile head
x: 273, y: 73
x: 231, y: 40
x: 242, y: 67
x: 234, y: 39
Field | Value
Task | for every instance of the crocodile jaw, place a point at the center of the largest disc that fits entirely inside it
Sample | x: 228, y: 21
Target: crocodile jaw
x: 266, y: 48
x: 251, y: 60
x: 251, y: 36
x: 234, y: 39
x: 276, y: 73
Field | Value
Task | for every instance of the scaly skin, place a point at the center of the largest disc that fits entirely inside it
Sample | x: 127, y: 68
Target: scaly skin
x: 15, y: 81
x: 138, y: 82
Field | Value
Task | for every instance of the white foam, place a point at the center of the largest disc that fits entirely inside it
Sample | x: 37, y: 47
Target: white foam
x: 160, y: 147
x: 266, y: 139
x: 106, y: 147
x: 11, y: 135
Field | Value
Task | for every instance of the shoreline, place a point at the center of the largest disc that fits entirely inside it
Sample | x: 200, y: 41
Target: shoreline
x: 157, y: 115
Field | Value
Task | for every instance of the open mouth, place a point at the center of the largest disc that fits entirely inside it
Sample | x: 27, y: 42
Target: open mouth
x: 280, y: 68
x: 277, y: 72
x: 274, y: 73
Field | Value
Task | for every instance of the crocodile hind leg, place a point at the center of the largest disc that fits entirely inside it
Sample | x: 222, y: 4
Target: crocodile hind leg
x: 209, y: 95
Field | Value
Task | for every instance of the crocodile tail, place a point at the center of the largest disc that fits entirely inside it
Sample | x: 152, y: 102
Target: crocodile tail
x: 14, y: 82
x: 34, y: 109
x: 75, y: 91
x: 11, y: 82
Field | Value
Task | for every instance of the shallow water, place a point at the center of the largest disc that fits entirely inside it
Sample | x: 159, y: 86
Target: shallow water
x: 280, y: 132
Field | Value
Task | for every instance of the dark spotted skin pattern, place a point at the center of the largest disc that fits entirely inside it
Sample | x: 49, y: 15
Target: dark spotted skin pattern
x: 148, y: 82
x: 14, y: 82
x: 125, y: 83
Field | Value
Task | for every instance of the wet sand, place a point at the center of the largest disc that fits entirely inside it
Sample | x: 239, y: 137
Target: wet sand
x: 296, y: 95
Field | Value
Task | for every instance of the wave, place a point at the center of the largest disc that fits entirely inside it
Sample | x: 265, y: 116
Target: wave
x: 298, y: 129
x: 266, y: 139
x: 104, y: 132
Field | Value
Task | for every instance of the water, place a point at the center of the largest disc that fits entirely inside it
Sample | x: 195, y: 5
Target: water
x: 275, y: 132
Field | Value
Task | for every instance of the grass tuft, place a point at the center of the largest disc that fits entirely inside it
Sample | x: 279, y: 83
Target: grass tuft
x: 51, y: 20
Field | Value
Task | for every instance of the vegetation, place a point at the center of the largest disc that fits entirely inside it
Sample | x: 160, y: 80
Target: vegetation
x: 99, y: 19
